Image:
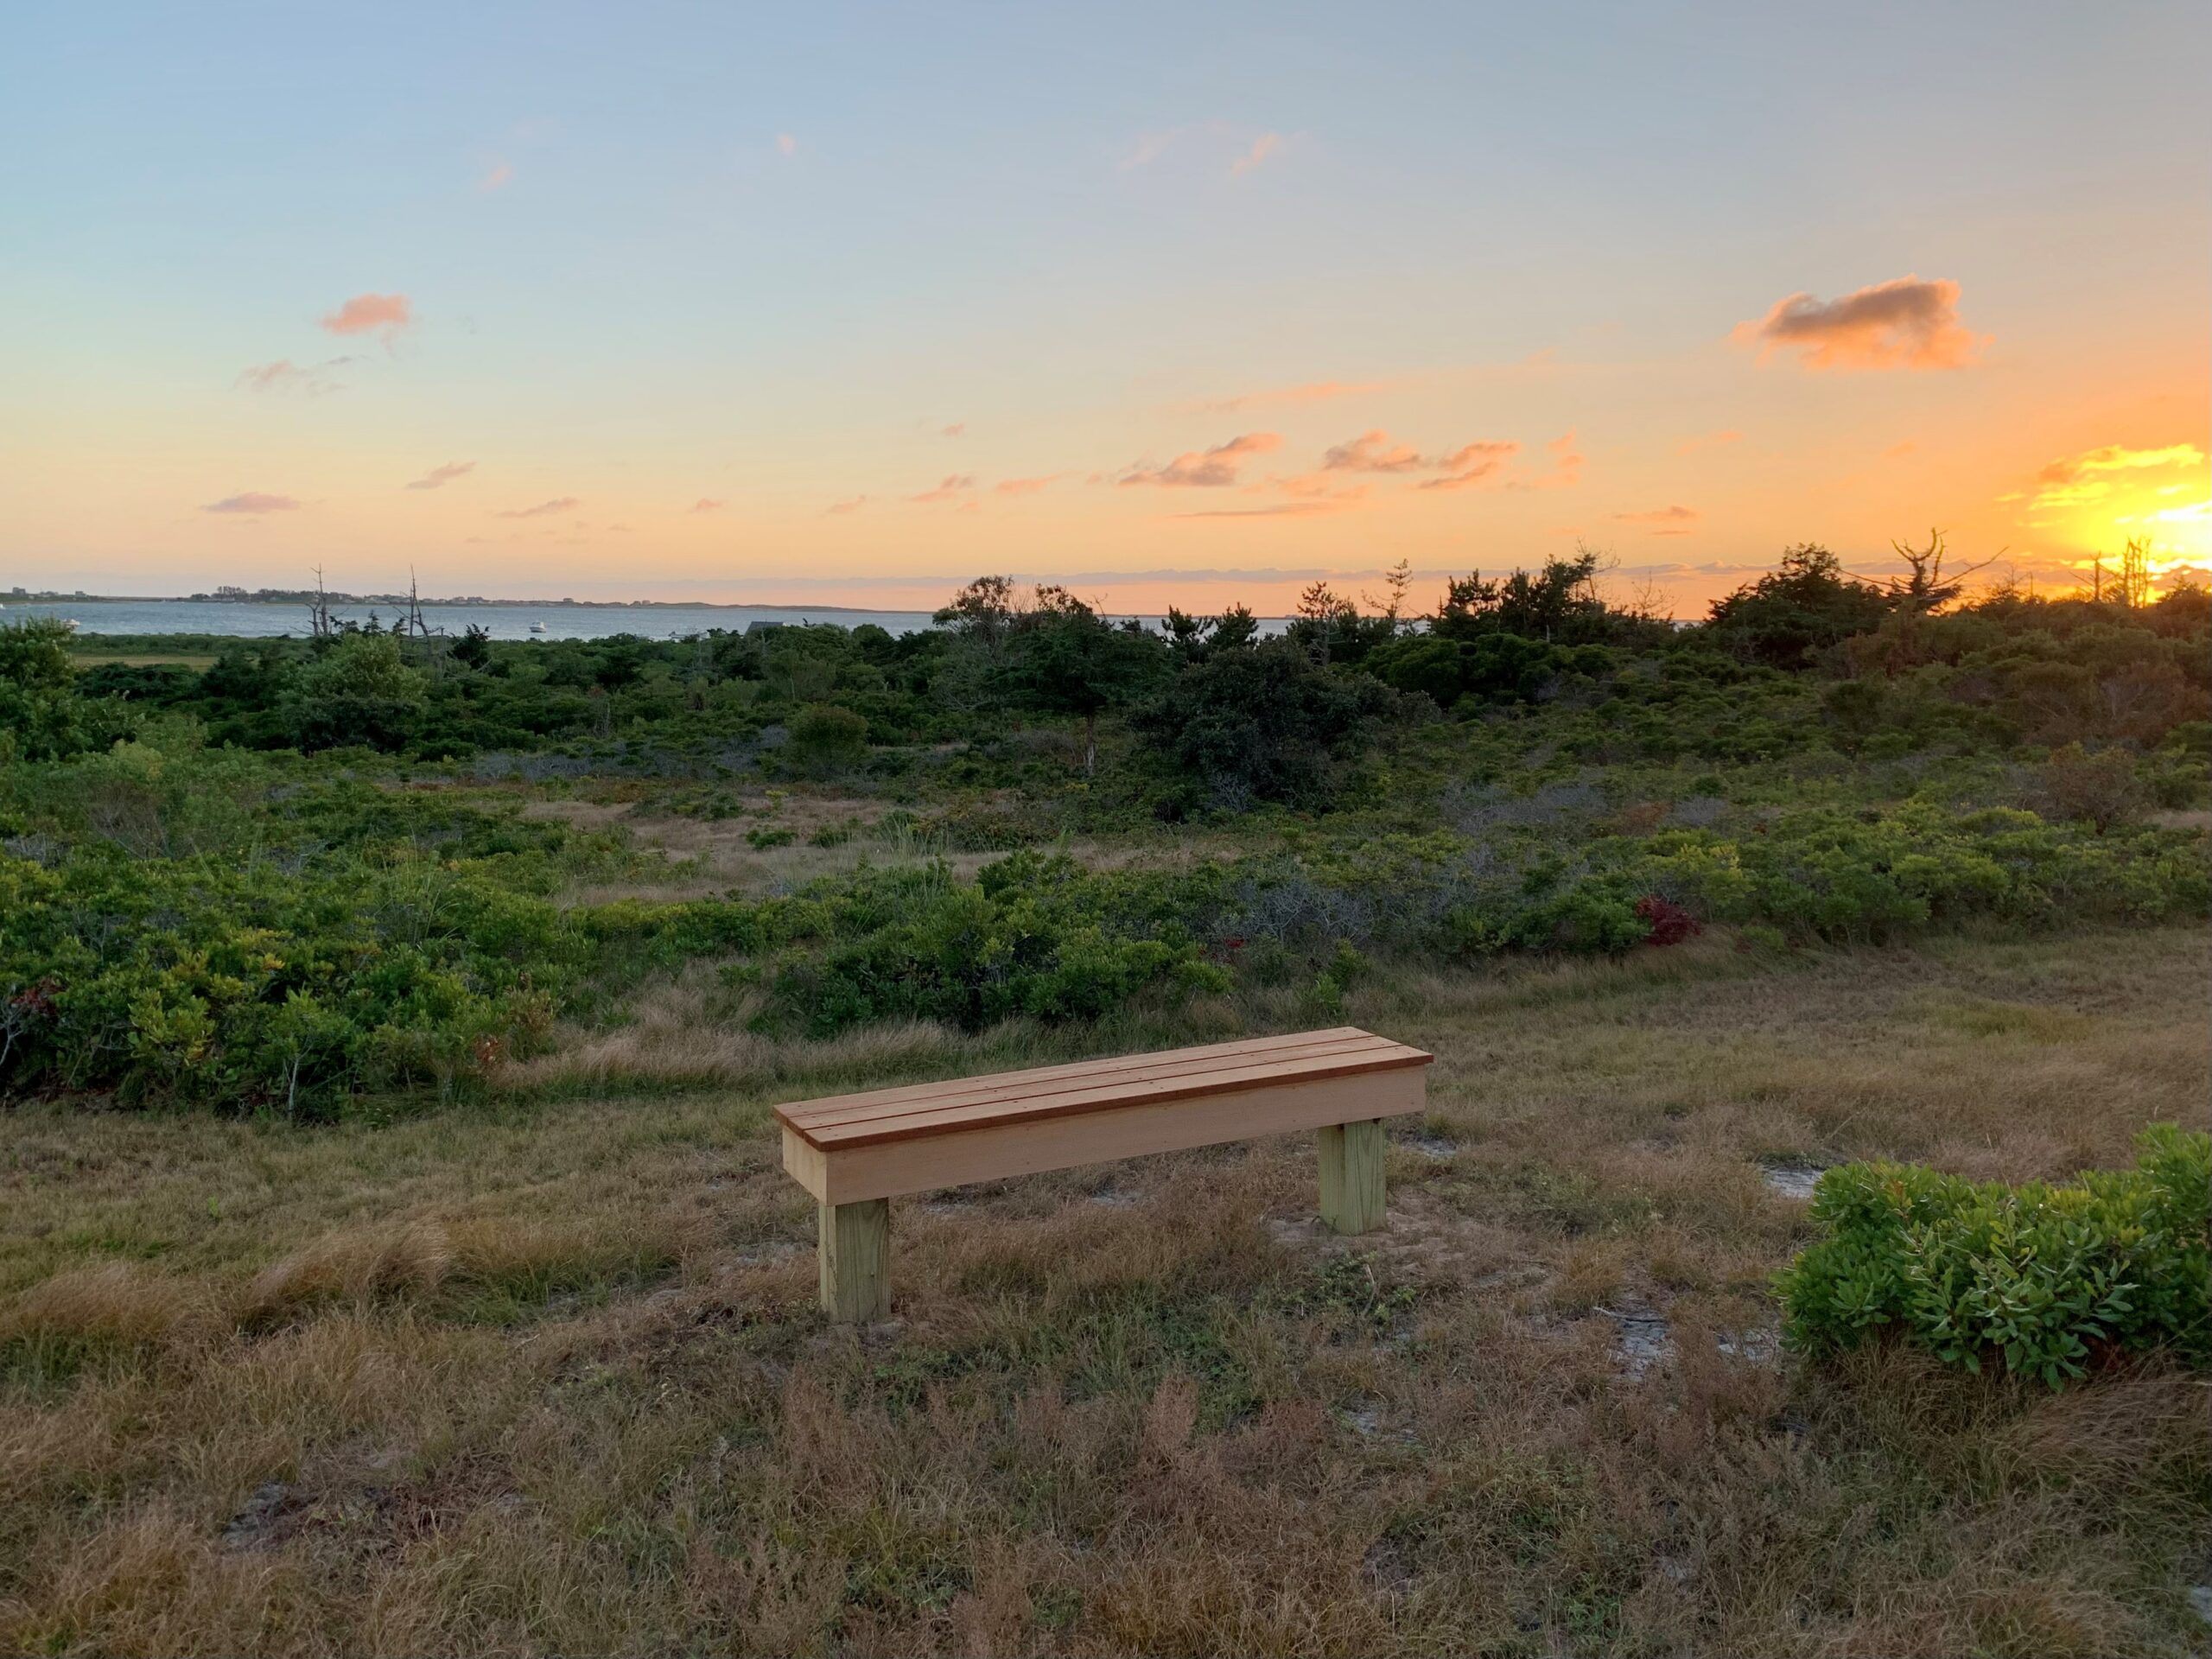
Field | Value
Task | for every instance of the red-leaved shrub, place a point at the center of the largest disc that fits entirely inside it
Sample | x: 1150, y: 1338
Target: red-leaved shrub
x: 1669, y: 922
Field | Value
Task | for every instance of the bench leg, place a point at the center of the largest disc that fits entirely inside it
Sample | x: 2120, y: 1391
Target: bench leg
x: 854, y: 1249
x: 1351, y: 1176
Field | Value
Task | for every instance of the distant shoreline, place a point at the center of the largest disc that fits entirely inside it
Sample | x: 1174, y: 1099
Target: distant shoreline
x: 459, y: 604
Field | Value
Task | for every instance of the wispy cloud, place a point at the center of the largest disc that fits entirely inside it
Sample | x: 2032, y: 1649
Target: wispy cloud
x: 1661, y: 521
x: 1026, y: 486
x: 1318, y: 487
x: 1471, y: 464
x: 1213, y: 468
x: 438, y: 477
x: 705, y: 503
x: 1205, y: 144
x: 1906, y: 323
x: 252, y: 502
x: 1255, y: 154
x: 1148, y: 148
x: 954, y: 486
x: 2071, y: 480
x: 785, y: 144
x: 1314, y: 391
x: 1373, y: 452
x: 384, y: 316
x: 544, y: 509
x: 1708, y: 440
x: 1279, y: 510
x: 1567, y: 465
x: 496, y: 177
x: 312, y: 379
x: 850, y: 504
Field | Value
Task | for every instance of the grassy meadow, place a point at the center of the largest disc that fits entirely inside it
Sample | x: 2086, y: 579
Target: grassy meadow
x: 395, y: 1254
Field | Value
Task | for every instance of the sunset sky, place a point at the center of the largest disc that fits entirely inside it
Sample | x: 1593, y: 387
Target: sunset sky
x: 845, y: 304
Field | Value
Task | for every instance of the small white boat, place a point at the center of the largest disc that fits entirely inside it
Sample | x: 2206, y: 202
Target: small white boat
x: 538, y: 627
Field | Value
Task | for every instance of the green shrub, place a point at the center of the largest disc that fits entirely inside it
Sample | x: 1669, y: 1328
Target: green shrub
x: 823, y: 735
x: 2044, y: 1280
x: 1034, y: 935
x: 43, y: 716
x: 1260, y: 724
x: 361, y: 691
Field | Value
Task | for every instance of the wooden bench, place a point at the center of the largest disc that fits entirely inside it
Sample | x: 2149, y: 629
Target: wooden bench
x: 856, y: 1153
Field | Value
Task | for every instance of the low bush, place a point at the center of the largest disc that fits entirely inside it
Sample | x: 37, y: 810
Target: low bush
x: 2044, y: 1282
x: 824, y: 736
x: 2100, y: 789
x: 1034, y: 936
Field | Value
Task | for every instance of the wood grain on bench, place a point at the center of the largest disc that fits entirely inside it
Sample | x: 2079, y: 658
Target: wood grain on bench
x: 963, y: 1104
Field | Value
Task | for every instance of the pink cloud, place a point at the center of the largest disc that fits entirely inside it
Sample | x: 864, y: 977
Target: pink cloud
x: 1026, y: 486
x: 438, y: 477
x: 559, y: 504
x: 951, y: 487
x: 785, y: 144
x: 1905, y: 323
x: 956, y: 429
x: 1567, y: 465
x: 495, y: 177
x: 1261, y: 147
x: 850, y: 504
x: 1372, y: 452
x: 1471, y: 463
x: 382, y: 315
x: 1211, y: 468
x: 705, y: 503
x: 253, y: 501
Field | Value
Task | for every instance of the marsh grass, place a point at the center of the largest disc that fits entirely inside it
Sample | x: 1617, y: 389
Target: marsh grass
x: 543, y: 1374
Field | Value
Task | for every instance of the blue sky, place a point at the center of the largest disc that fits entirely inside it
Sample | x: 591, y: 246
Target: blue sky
x: 657, y: 256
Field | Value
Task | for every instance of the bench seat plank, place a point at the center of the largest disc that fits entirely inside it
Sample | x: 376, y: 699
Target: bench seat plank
x: 1043, y: 1079
x: 850, y: 1121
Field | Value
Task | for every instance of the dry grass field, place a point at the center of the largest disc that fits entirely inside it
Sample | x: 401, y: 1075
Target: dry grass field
x: 546, y: 1375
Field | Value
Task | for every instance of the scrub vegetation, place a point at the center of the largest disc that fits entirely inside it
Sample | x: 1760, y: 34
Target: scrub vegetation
x: 395, y: 1254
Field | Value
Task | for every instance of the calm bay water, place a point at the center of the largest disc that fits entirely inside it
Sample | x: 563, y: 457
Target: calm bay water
x: 501, y: 621
x: 95, y: 616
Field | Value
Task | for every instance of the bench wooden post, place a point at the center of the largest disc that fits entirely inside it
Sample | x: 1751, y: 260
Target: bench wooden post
x: 1351, y: 1176
x: 854, y: 1245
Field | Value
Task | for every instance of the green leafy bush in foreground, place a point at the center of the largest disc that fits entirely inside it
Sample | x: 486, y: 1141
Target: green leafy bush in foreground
x: 2045, y: 1280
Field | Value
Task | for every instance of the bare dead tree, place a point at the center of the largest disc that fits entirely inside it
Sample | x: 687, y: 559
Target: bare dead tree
x: 435, y: 648
x: 1924, y: 588
x: 1926, y: 585
x: 320, y: 626
x: 1397, y: 581
x: 2134, y: 590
